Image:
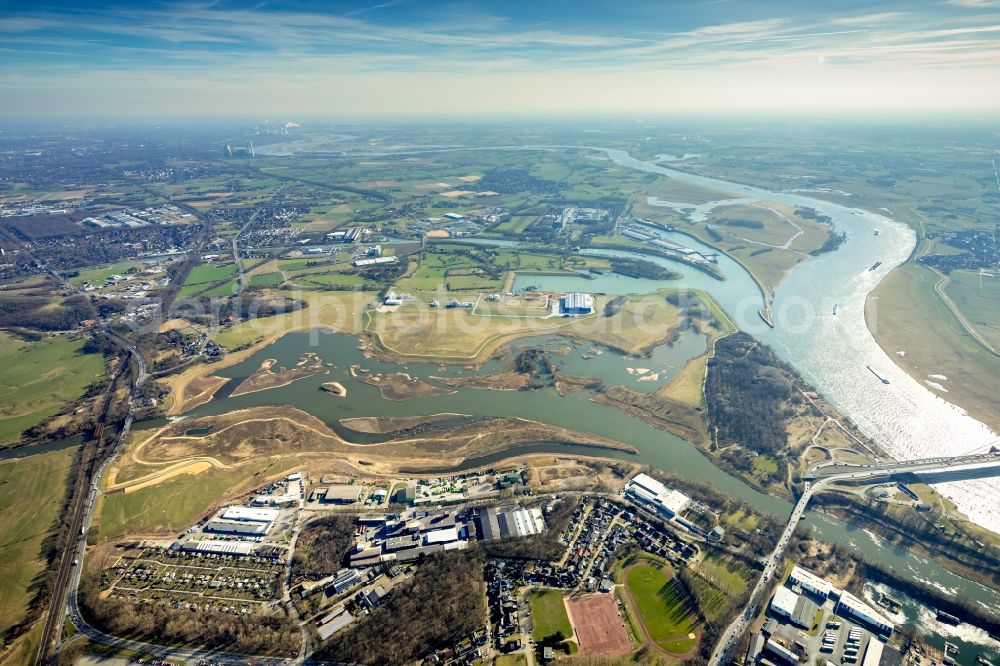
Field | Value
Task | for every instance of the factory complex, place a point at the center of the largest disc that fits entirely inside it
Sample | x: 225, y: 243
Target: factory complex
x: 407, y: 537
x: 810, y: 620
x: 647, y: 491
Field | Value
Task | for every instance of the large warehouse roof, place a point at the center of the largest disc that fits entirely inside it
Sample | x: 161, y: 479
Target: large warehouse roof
x: 249, y: 514
x: 445, y: 535
x: 510, y: 523
x: 784, y: 601
x: 647, y: 489
x: 810, y: 581
x: 863, y: 611
x: 342, y: 493
x: 237, y: 527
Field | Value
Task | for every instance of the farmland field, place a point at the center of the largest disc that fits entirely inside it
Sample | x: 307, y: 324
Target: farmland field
x: 978, y: 298
x: 516, y: 224
x: 207, y: 273
x: 267, y: 279
x: 38, y: 378
x: 905, y: 313
x: 31, y: 492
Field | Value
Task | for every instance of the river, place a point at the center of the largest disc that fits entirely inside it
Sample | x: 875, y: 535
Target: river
x: 905, y: 417
x: 831, y: 352
x: 657, y: 448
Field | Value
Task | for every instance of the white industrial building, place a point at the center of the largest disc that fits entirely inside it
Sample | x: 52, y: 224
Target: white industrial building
x: 810, y: 582
x: 249, y: 514
x: 577, y: 303
x: 795, y: 608
x: 443, y: 536
x: 339, y: 494
x: 216, y: 547
x: 242, y: 528
x: 257, y: 521
x: 359, y: 263
x: 849, y: 606
x: 510, y: 523
x: 283, y: 499
x: 647, y: 490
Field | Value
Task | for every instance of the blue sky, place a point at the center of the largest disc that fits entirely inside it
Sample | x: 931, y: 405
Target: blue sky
x: 165, y: 58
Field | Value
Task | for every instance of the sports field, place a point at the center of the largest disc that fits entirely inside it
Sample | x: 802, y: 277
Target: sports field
x: 600, y: 630
x: 666, y: 616
x: 548, y: 612
x: 38, y: 378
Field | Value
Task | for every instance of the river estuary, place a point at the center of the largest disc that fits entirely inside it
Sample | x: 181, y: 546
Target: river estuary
x: 831, y: 352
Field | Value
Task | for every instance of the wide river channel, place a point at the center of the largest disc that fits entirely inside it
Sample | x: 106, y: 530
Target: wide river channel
x: 831, y: 352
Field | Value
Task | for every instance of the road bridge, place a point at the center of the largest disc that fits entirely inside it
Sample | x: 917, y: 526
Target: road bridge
x: 823, y: 476
x: 977, y: 465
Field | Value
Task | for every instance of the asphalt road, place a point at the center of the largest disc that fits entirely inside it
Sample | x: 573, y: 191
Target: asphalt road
x: 723, y: 649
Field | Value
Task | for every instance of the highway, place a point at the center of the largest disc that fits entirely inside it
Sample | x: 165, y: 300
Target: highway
x: 730, y: 638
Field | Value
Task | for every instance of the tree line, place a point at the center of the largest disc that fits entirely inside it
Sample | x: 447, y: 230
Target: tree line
x: 38, y: 312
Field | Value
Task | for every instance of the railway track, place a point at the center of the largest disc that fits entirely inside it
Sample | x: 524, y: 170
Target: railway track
x: 92, y: 452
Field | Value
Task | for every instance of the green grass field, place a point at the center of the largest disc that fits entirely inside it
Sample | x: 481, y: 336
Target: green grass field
x: 548, y: 612
x: 201, y: 278
x: 99, y: 274
x: 665, y: 613
x: 267, y: 280
x: 726, y: 572
x: 516, y: 224
x: 333, y: 280
x: 299, y: 264
x: 31, y: 491
x: 175, y: 504
x: 224, y: 289
x: 38, y: 378
x: 978, y: 299
x: 905, y: 313
x: 207, y: 273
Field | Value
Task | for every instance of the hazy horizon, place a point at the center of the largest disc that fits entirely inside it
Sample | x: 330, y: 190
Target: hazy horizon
x: 430, y: 58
